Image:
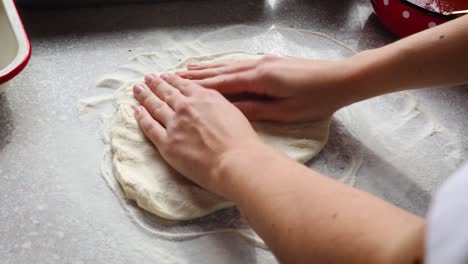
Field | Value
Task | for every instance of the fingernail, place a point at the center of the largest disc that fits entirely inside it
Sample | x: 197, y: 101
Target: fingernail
x: 193, y: 65
x: 138, y: 88
x: 180, y: 73
x: 136, y: 109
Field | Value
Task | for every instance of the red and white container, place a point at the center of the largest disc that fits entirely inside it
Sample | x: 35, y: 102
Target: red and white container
x: 15, y: 49
x: 406, y: 17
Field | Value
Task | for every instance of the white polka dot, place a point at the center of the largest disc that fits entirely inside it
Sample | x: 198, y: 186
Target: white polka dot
x: 385, y: 2
x: 406, y: 14
x: 431, y: 24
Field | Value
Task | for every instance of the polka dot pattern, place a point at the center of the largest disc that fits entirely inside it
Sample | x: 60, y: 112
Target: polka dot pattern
x: 405, y: 19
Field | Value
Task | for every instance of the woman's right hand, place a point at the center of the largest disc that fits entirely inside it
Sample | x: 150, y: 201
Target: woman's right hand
x: 297, y: 89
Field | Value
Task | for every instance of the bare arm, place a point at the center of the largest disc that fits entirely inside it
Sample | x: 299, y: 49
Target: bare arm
x: 302, y: 215
x: 432, y: 58
x: 305, y: 217
x: 310, y: 89
x: 315, y: 218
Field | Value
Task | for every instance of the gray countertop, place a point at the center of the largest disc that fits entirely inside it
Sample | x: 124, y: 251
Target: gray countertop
x: 55, y: 208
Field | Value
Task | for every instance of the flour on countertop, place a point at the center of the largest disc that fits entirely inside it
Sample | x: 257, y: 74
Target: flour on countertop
x: 390, y: 146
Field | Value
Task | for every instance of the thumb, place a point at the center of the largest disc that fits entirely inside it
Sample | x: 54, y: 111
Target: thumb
x: 259, y: 110
x: 232, y: 83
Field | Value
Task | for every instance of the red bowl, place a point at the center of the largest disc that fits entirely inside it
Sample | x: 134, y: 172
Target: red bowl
x: 404, y: 18
x: 15, y: 49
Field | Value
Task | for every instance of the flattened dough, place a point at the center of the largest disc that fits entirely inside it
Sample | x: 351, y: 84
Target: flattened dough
x: 147, y: 179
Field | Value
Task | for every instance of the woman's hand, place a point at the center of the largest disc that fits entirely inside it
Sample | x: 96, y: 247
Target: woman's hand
x: 297, y: 89
x: 193, y: 128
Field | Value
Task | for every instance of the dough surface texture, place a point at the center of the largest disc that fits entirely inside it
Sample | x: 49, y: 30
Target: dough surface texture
x: 148, y: 180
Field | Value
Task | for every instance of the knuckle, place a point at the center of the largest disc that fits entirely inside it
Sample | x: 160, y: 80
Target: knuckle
x: 147, y: 125
x: 170, y: 78
x: 268, y: 58
x: 170, y: 95
x: 173, y: 98
x: 177, y: 136
x: 263, y: 70
x: 183, y: 83
x: 158, y: 106
x: 176, y: 139
x: 176, y: 82
x: 145, y: 100
x: 155, y: 82
x: 170, y: 99
x: 167, y: 93
x: 196, y: 117
x: 183, y: 107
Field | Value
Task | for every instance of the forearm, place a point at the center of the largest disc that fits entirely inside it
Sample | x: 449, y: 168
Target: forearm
x: 304, y: 216
x: 432, y: 58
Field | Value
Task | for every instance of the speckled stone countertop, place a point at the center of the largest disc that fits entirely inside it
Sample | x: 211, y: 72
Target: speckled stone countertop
x: 54, y: 208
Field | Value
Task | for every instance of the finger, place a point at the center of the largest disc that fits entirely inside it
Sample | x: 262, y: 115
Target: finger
x: 231, y: 67
x: 200, y: 74
x: 150, y: 127
x: 201, y: 66
x: 158, y: 109
x: 162, y: 89
x: 186, y: 87
x: 258, y: 110
x: 230, y: 83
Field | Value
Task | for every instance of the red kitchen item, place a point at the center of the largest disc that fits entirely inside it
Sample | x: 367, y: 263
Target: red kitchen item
x: 15, y: 49
x: 406, y: 17
x: 440, y: 6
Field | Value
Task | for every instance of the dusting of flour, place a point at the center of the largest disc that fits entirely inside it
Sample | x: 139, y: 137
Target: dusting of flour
x: 390, y: 146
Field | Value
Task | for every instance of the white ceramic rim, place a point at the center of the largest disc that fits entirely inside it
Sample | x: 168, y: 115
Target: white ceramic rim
x: 24, y: 49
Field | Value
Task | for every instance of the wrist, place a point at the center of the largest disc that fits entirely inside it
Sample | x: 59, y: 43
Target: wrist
x: 345, y: 80
x: 358, y: 84
x: 374, y: 72
x: 237, y: 168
